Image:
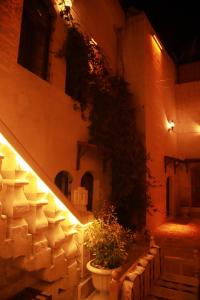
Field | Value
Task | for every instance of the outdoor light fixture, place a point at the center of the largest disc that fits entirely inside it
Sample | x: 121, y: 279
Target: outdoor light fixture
x: 93, y: 42
x: 170, y: 125
x: 156, y: 40
x: 68, y: 3
x: 65, y: 9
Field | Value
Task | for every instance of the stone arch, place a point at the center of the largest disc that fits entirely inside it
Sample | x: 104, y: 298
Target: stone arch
x: 63, y: 181
x: 87, y: 181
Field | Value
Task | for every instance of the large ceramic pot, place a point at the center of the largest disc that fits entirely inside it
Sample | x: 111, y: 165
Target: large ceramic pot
x: 101, y: 280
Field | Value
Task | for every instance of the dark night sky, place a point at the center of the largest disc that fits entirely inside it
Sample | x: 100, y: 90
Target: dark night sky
x: 177, y: 24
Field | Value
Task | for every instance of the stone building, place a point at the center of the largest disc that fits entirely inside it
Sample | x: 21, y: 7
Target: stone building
x: 38, y: 123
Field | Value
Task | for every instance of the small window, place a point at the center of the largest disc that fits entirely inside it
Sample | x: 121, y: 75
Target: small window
x: 35, y: 36
x: 63, y: 181
x: 87, y: 182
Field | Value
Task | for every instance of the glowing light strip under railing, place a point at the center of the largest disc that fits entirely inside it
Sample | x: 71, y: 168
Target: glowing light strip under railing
x: 157, y: 41
x: 41, y: 185
x: 61, y: 4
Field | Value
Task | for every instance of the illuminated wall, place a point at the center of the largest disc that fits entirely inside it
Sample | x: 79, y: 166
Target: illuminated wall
x: 188, y: 128
x: 42, y: 118
x: 38, y: 112
x: 188, y: 123
x: 152, y: 76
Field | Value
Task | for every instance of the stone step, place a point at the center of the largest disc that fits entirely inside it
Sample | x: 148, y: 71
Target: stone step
x: 175, y: 287
x: 154, y: 298
x: 172, y: 293
x: 180, y: 279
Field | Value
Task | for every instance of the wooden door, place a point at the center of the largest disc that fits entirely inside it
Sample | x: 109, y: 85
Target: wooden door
x: 168, y: 196
x: 195, y: 186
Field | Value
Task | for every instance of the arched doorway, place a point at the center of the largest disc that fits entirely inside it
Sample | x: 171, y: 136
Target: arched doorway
x: 87, y: 181
x: 195, y: 186
x: 63, y: 181
x: 168, y: 196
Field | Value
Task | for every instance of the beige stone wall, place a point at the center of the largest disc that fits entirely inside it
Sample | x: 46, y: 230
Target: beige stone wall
x: 133, y: 59
x: 151, y: 74
x: 188, y: 128
x: 160, y: 107
x: 100, y: 18
x: 38, y: 112
x: 10, y: 22
x: 188, y: 120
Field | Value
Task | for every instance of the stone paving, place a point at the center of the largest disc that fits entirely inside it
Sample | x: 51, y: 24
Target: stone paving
x: 178, y: 238
x: 179, y: 234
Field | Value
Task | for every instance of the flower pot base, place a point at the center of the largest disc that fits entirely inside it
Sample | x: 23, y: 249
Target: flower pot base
x: 101, y: 279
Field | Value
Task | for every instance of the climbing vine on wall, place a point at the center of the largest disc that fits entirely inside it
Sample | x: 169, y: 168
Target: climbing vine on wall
x: 112, y: 122
x: 85, y: 66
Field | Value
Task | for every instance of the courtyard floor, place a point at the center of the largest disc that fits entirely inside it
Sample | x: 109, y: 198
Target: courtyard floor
x: 179, y: 234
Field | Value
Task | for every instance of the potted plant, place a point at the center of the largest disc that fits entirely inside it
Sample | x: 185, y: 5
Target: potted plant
x: 108, y: 242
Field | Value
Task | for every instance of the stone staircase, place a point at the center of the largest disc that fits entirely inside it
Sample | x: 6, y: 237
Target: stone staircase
x: 41, y: 239
x: 175, y: 287
x: 179, y: 279
x: 158, y: 276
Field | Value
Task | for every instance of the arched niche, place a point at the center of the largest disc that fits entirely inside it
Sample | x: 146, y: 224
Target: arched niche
x: 63, y: 181
x: 87, y: 181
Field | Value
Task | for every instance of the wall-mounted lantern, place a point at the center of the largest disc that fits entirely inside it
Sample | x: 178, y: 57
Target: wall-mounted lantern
x: 170, y: 125
x: 64, y: 7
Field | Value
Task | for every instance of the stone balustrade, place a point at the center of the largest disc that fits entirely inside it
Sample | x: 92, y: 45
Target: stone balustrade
x: 36, y: 235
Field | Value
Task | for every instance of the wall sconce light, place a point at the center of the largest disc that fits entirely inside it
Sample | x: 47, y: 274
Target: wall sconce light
x: 170, y: 125
x: 65, y: 10
x: 93, y: 42
x: 157, y: 42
